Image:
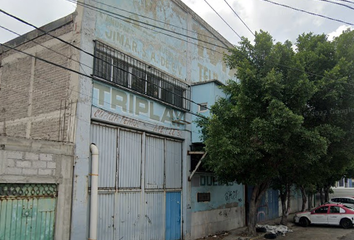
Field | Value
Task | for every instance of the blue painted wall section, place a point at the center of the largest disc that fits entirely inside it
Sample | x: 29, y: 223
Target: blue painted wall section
x: 269, y: 207
x: 221, y: 195
x: 208, y: 92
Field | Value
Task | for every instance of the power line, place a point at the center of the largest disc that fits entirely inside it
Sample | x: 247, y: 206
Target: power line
x: 240, y: 18
x: 311, y: 13
x: 139, y: 15
x: 347, y: 1
x: 90, y: 54
x: 340, y: 4
x: 59, y: 53
x: 82, y: 74
x: 137, y: 22
x: 222, y: 19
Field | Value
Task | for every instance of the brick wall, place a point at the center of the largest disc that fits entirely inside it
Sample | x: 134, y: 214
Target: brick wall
x: 37, y: 98
x: 36, y: 161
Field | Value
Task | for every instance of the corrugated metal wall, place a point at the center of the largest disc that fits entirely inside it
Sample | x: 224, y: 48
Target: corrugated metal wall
x: 174, y: 164
x: 107, y: 139
x: 155, y: 157
x: 128, y: 159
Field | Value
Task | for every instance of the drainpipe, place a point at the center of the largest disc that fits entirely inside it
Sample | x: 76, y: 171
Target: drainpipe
x: 94, y: 192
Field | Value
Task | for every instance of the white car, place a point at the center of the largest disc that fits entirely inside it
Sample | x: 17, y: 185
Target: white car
x: 347, y: 201
x: 331, y: 213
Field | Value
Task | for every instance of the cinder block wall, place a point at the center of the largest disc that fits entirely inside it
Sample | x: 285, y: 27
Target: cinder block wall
x: 37, y: 99
x: 35, y: 161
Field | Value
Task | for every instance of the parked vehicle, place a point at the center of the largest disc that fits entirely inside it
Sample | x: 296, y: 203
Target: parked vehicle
x: 330, y: 213
x: 348, y: 201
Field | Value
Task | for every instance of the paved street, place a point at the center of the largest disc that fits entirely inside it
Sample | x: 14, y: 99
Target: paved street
x: 314, y: 232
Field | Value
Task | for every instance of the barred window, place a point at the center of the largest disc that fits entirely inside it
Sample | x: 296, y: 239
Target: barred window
x: 113, y: 66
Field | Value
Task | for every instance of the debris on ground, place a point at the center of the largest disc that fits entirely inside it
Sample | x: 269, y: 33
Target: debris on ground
x: 272, y: 231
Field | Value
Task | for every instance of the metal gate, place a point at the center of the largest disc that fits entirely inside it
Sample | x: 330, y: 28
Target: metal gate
x: 140, y: 183
x: 27, y: 211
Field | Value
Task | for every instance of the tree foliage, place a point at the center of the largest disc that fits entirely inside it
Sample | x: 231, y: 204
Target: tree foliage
x: 289, y: 117
x: 258, y: 130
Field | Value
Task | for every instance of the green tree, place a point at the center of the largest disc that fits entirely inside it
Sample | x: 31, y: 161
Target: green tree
x: 330, y: 67
x: 258, y: 130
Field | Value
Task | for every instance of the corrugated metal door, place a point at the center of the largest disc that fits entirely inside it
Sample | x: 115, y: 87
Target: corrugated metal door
x: 27, y: 211
x: 140, y: 186
x: 173, y: 216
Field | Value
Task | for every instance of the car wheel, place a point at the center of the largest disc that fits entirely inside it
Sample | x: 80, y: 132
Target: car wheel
x: 304, y: 222
x: 346, y: 223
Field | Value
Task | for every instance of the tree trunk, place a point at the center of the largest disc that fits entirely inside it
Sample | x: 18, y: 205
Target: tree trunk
x: 285, y: 205
x: 310, y: 195
x: 256, y: 197
x: 304, y: 198
x: 283, y: 197
x: 326, y: 192
x: 321, y: 195
x: 289, y: 201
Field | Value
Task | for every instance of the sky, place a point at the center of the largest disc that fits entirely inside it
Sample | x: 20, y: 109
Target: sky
x: 281, y: 22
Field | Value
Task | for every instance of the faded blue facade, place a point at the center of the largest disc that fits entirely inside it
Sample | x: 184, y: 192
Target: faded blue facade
x: 206, y: 93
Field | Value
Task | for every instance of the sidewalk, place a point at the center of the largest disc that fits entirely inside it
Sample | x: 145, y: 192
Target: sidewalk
x: 239, y: 233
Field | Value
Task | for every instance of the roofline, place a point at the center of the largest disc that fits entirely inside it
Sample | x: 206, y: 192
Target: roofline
x: 36, y: 33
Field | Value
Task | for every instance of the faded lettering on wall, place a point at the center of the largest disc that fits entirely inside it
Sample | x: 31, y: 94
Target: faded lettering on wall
x: 126, y: 103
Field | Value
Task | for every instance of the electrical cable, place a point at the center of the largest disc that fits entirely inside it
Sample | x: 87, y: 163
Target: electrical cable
x: 347, y: 1
x: 240, y: 18
x: 340, y: 4
x: 311, y: 13
x: 82, y: 74
x: 138, y: 22
x: 59, y: 53
x: 223, y: 19
x: 139, y: 15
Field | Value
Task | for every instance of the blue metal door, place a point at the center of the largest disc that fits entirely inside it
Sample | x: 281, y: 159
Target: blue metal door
x: 173, y: 216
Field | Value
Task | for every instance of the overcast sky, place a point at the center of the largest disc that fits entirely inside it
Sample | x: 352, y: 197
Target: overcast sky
x: 281, y: 22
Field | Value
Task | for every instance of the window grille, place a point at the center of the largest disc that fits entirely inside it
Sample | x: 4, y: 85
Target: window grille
x: 113, y: 66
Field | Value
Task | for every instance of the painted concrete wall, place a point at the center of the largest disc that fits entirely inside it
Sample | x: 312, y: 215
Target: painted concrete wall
x: 225, y: 209
x: 209, y: 93
x: 35, y: 161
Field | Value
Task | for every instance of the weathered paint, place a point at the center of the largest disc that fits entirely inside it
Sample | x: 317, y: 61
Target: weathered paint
x: 222, y: 196
x: 144, y: 41
x: 173, y: 216
x: 128, y: 104
x: 27, y: 211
